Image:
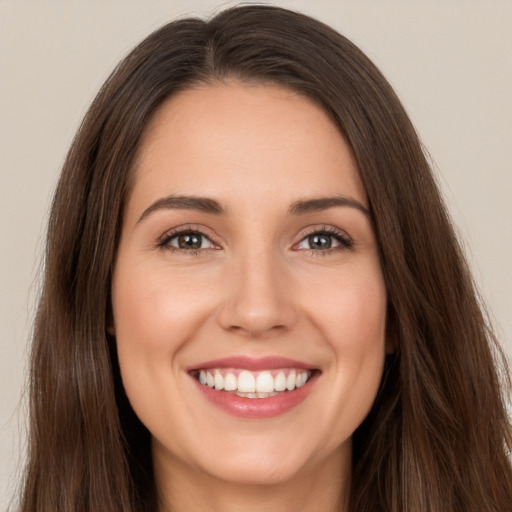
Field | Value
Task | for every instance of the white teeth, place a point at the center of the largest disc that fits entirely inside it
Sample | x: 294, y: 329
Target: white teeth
x: 230, y: 382
x: 280, y: 382
x: 291, y: 381
x: 256, y: 395
x: 264, y: 383
x: 246, y: 382
x: 253, y: 384
x: 219, y: 381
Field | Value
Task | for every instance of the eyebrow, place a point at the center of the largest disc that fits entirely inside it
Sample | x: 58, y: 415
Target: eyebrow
x: 201, y: 204
x: 211, y: 206
x: 324, y: 203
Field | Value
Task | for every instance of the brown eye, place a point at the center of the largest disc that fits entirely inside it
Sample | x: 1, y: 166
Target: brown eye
x: 190, y: 241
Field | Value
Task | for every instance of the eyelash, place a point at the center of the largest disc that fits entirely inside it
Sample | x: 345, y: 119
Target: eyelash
x: 164, y: 242
x: 345, y: 242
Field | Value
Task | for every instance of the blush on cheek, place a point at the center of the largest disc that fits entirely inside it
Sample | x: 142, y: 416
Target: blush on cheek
x: 159, y: 317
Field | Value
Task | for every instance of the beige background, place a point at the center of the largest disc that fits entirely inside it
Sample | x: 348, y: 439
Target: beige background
x: 449, y: 60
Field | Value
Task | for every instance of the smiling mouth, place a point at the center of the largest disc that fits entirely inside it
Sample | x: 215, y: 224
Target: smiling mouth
x: 253, y: 384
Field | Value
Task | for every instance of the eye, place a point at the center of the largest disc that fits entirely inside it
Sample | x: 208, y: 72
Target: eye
x: 325, y: 240
x: 187, y: 241
x: 318, y: 242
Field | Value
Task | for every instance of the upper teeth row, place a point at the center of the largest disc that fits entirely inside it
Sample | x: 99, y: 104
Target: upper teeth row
x: 248, y: 382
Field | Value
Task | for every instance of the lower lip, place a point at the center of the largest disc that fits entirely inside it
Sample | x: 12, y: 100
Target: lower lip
x: 257, y: 408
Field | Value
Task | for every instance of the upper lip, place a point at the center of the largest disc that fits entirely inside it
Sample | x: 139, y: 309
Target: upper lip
x: 252, y: 363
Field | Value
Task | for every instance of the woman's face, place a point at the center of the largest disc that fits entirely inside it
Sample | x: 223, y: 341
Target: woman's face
x: 249, y: 303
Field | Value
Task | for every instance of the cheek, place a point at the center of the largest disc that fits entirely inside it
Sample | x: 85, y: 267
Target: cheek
x: 154, y: 313
x: 359, y: 339
x: 154, y: 317
x: 351, y: 311
x: 352, y: 318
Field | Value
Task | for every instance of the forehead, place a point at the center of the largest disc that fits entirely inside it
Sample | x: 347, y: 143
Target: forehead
x: 239, y: 140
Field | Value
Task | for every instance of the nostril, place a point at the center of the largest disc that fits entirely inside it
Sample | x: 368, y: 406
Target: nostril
x: 257, y: 309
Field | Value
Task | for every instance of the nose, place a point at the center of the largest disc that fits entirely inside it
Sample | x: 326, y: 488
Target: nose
x: 257, y: 297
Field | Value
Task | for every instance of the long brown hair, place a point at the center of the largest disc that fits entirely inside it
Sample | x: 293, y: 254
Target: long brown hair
x: 438, y: 437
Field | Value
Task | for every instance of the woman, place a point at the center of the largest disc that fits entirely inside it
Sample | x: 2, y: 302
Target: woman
x: 254, y: 299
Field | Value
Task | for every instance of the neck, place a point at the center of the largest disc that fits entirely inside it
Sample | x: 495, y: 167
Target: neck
x: 325, y: 488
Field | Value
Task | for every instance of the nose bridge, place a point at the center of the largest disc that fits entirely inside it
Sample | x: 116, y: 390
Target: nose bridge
x: 257, y: 299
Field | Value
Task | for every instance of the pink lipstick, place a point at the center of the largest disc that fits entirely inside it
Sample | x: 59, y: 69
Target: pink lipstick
x: 254, y: 387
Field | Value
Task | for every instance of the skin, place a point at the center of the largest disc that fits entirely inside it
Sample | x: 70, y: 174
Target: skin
x: 257, y: 288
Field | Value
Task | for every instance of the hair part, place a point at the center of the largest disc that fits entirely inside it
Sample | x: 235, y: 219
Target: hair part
x: 438, y: 436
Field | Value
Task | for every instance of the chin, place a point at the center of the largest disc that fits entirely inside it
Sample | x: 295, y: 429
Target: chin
x: 255, y: 469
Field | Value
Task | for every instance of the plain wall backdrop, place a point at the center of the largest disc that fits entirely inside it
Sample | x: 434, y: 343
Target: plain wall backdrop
x: 449, y: 60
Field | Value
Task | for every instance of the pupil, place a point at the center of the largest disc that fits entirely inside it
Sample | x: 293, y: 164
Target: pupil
x: 319, y: 242
x: 189, y: 241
